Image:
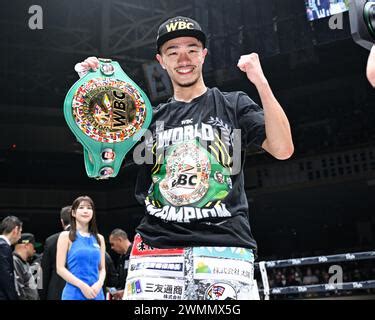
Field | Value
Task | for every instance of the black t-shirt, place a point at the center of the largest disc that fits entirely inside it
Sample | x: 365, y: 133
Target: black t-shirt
x: 194, y: 191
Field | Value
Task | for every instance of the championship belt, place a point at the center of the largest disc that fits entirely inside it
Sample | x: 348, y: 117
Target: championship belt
x: 108, y: 113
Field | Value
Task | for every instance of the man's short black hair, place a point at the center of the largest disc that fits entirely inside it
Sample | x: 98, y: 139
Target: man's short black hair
x: 65, y: 215
x: 9, y: 223
x: 119, y: 233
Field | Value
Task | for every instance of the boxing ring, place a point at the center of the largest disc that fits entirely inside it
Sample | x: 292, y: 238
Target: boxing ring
x: 268, y: 292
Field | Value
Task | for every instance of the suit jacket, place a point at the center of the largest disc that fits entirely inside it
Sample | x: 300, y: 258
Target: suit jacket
x: 111, y: 275
x: 7, y: 283
x: 53, y: 284
x: 122, y: 268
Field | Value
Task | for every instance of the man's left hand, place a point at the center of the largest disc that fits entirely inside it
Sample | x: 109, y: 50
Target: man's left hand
x: 250, y: 64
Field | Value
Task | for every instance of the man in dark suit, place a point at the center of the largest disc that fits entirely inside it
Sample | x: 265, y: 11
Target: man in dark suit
x: 53, y: 284
x: 120, y: 244
x: 10, y: 233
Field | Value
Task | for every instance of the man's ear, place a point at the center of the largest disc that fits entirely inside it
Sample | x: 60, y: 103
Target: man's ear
x: 204, y: 52
x: 160, y: 59
x: 15, y: 230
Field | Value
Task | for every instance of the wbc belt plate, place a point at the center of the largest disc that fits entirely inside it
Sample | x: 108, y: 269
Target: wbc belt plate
x: 108, y: 113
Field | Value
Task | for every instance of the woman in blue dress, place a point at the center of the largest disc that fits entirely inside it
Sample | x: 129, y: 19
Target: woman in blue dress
x: 80, y: 258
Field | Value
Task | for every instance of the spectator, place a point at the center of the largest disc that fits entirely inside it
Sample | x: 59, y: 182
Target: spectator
x: 310, y: 278
x: 53, y: 284
x: 25, y: 281
x: 10, y: 233
x: 120, y: 244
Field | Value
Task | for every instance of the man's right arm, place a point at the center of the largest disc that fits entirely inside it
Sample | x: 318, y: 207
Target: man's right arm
x: 371, y: 67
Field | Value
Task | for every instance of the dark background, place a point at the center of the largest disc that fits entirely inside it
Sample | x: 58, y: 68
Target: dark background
x: 321, y: 201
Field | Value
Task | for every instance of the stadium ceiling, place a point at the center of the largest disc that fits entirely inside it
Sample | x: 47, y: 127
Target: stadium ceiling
x: 36, y: 63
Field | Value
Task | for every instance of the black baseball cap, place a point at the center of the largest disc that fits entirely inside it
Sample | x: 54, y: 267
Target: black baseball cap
x: 179, y: 27
x: 28, y: 238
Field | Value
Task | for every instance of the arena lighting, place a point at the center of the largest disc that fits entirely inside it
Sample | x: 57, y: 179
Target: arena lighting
x: 362, y: 22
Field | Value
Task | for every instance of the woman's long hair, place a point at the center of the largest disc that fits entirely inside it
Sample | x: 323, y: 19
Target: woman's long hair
x: 93, y: 229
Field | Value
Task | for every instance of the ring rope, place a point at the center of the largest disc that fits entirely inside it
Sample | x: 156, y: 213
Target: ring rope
x: 370, y: 284
x: 263, y: 265
x: 319, y: 259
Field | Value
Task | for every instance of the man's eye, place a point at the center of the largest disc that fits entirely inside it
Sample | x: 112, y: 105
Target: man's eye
x: 172, y: 53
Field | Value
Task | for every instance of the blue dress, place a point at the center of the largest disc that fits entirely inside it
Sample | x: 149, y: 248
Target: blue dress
x: 83, y: 261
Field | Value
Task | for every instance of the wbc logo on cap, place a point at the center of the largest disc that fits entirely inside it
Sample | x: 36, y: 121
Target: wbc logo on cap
x: 179, y: 25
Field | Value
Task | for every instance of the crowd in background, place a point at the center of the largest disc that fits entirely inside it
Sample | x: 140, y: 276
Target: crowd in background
x: 352, y: 271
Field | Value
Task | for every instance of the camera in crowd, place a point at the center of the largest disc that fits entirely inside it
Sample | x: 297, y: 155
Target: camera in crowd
x: 362, y: 22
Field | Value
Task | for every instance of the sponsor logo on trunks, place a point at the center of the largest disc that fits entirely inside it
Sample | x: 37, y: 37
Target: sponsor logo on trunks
x: 211, y: 268
x: 202, y: 268
x: 224, y: 252
x: 164, y: 288
x: 159, y: 289
x: 157, y: 266
x: 141, y: 249
x: 133, y: 287
x: 220, y: 291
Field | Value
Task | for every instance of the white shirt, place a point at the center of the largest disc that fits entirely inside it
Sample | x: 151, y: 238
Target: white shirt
x: 6, y: 239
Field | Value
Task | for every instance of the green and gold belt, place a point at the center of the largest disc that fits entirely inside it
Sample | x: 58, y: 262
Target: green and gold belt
x: 108, y: 113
